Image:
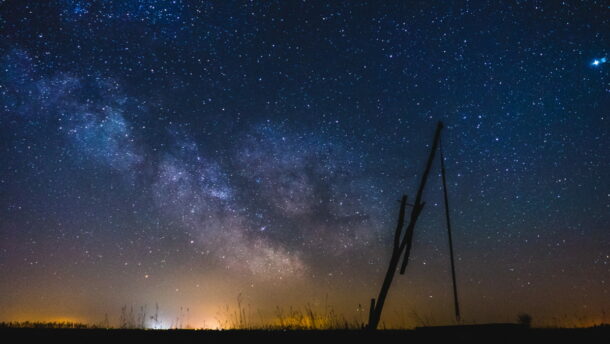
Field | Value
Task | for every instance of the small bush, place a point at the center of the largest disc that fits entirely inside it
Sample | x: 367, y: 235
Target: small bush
x: 524, y: 320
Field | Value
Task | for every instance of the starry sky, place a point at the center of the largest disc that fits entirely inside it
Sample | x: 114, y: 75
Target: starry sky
x: 184, y: 153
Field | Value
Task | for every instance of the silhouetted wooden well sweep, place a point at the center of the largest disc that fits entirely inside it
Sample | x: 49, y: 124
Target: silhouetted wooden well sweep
x: 403, y: 241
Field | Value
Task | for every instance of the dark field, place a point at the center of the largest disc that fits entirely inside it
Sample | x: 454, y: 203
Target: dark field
x: 505, y: 333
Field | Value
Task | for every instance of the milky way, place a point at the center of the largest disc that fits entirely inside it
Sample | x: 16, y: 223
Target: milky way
x: 184, y: 154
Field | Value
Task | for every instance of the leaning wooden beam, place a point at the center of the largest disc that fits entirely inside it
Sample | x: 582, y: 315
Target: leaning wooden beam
x: 377, y: 305
x: 404, y: 244
x: 419, y: 205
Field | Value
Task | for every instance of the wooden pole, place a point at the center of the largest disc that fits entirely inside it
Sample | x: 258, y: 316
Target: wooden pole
x: 404, y: 245
x: 443, y: 175
x: 419, y: 205
x: 371, y: 309
x: 377, y: 305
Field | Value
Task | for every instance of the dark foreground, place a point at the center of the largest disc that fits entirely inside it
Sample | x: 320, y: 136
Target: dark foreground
x: 481, y: 333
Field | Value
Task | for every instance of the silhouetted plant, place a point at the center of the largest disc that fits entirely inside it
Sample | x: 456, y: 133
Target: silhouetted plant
x: 155, y: 318
x: 46, y: 325
x: 142, y: 317
x: 524, y: 320
x: 106, y: 322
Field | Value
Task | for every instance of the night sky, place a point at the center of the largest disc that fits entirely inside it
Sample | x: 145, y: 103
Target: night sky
x: 184, y: 153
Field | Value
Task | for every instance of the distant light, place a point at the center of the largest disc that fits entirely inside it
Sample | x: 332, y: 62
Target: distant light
x: 598, y: 62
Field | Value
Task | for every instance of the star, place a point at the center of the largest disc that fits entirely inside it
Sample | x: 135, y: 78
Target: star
x: 598, y: 62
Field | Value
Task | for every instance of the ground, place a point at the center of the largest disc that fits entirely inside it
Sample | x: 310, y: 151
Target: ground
x: 495, y: 334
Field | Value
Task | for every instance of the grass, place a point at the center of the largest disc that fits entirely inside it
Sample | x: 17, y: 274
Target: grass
x: 306, y: 318
x: 292, y: 318
x: 47, y: 325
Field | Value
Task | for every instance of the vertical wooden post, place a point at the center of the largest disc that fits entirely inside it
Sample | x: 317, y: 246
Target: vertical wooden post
x: 456, y: 304
x: 372, y: 309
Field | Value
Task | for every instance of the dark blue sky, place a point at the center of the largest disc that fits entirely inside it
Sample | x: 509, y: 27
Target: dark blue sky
x: 186, y: 152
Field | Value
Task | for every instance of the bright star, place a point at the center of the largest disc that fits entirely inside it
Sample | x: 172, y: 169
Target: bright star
x: 597, y: 62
